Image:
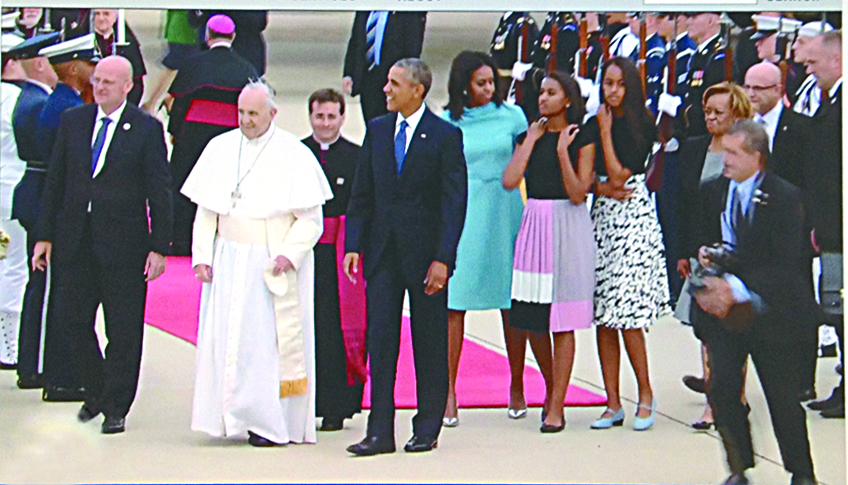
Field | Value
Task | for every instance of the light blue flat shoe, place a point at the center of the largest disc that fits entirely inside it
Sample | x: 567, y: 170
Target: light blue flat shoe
x: 616, y: 418
x: 642, y: 424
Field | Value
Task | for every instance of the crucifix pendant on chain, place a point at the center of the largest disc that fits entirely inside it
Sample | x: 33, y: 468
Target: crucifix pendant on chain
x: 236, y: 196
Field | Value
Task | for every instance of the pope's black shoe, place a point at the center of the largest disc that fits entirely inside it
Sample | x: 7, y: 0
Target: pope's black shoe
x: 62, y: 394
x: 87, y: 413
x: 113, y: 425
x: 372, y: 445
x: 260, y: 441
x: 417, y: 444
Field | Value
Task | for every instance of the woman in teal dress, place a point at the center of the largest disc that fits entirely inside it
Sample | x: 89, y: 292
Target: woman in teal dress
x: 483, y: 274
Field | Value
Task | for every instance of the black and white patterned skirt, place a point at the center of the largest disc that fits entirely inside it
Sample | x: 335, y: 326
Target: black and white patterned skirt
x: 631, y: 289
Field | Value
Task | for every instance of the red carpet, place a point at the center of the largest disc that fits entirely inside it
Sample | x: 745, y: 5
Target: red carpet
x: 483, y: 381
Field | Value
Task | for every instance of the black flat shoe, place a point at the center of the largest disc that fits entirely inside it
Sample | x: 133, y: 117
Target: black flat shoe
x: 86, y: 414
x: 372, y: 445
x: 113, y: 425
x: 703, y: 425
x: 259, y: 441
x: 62, y: 394
x: 30, y: 381
x: 736, y: 479
x: 5, y: 366
x: 331, y: 424
x: 419, y: 444
x: 695, y: 384
x: 549, y: 428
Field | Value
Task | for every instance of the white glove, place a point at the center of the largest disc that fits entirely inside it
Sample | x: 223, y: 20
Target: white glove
x: 672, y: 145
x: 519, y: 70
x: 668, y: 103
x: 586, y: 86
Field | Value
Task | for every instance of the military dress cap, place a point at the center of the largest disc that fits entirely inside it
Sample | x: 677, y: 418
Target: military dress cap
x: 9, y: 41
x: 767, y: 26
x: 221, y: 24
x: 81, y: 48
x: 812, y: 29
x: 29, y: 48
x: 10, y: 20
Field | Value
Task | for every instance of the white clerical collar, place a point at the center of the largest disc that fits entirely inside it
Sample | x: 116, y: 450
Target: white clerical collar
x: 115, y: 116
x: 325, y: 146
x: 413, y: 119
x: 264, y: 136
x: 40, y: 84
x: 773, y: 114
x: 832, y: 91
x: 703, y: 45
x: 223, y: 43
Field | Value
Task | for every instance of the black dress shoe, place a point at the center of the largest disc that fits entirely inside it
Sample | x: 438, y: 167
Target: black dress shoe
x: 418, y: 444
x: 736, y: 479
x: 836, y: 412
x: 5, y: 366
x: 372, y: 445
x: 807, y: 395
x: 112, y: 425
x: 331, y: 424
x: 62, y: 394
x: 801, y: 480
x: 703, y: 425
x: 87, y: 413
x: 260, y: 441
x: 695, y: 384
x: 549, y: 428
x: 30, y: 381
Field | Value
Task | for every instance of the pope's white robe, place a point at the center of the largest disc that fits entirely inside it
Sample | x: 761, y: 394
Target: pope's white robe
x: 238, y: 369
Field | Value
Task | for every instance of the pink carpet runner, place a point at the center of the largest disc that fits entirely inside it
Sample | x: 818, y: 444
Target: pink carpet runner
x: 483, y: 381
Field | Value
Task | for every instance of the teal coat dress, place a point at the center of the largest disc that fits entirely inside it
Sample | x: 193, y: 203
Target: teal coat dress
x: 483, y: 274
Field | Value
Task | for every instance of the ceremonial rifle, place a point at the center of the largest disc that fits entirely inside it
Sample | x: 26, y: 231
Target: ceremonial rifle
x: 780, y: 46
x: 653, y: 179
x: 552, y: 53
x: 643, y: 52
x: 522, y: 56
x: 604, y: 40
x: 728, y: 52
x: 583, y: 55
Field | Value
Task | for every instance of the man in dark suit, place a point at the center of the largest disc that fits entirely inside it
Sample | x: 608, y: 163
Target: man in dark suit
x: 823, y: 191
x: 759, y: 306
x: 378, y: 40
x: 788, y: 139
x: 406, y: 214
x: 109, y: 165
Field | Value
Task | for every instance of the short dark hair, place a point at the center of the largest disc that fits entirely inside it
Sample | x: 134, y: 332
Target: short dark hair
x: 463, y: 67
x: 755, y: 138
x: 417, y: 72
x: 327, y: 95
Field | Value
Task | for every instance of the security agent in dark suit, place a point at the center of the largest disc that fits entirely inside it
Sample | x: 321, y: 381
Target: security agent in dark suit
x: 109, y: 165
x: 758, y: 305
x: 823, y: 192
x: 377, y: 40
x: 788, y: 139
x: 406, y: 214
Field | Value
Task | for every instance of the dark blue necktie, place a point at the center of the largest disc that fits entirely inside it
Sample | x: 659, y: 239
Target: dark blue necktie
x: 371, y: 39
x: 98, y: 143
x: 400, y: 146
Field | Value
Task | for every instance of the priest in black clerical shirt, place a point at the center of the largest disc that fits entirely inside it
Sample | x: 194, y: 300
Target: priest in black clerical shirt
x: 339, y: 305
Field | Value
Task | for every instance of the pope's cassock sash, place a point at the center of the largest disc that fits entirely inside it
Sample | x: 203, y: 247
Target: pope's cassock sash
x: 284, y: 178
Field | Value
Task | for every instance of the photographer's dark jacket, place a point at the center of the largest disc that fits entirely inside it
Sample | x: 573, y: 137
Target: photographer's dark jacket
x: 770, y: 254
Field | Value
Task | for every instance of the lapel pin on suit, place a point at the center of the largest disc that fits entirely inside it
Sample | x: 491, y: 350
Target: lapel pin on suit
x: 423, y: 135
x: 126, y: 127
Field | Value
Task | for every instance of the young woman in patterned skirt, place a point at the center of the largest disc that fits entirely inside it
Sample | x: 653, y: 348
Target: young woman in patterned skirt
x: 553, y: 273
x: 631, y: 289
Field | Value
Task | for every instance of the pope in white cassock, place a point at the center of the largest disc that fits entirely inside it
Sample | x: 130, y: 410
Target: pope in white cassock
x: 259, y: 193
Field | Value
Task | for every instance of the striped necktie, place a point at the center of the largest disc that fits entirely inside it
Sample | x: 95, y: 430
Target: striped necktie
x: 99, y: 141
x: 371, y: 39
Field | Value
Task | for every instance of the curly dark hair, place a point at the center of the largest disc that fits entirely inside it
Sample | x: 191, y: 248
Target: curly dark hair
x: 463, y: 66
x: 636, y: 114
